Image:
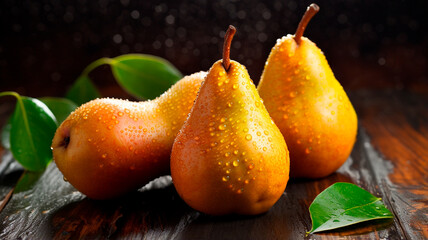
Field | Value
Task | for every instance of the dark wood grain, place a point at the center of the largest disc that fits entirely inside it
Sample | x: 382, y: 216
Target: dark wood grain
x: 389, y: 159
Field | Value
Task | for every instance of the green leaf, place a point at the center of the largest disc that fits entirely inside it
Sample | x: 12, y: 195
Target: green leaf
x: 32, y: 129
x: 5, y: 135
x: 144, y: 76
x: 82, y: 91
x: 60, y: 107
x: 344, y: 204
x: 27, y: 181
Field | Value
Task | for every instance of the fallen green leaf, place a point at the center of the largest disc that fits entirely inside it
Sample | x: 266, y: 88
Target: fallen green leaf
x: 344, y: 204
x: 144, y: 76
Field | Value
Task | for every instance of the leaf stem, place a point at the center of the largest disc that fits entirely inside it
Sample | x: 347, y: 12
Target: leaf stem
x: 310, y: 12
x: 10, y: 93
x: 226, y: 46
x: 95, y: 64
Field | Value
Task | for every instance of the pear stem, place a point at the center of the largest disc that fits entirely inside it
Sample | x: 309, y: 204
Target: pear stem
x: 310, y: 12
x: 226, y: 46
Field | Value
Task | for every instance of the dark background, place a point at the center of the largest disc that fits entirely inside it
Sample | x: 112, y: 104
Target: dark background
x: 44, y: 45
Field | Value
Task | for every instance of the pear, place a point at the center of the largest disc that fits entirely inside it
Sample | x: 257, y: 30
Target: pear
x: 308, y: 104
x: 108, y: 147
x: 229, y: 157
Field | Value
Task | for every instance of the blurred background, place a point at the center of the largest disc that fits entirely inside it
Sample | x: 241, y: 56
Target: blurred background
x: 45, y: 44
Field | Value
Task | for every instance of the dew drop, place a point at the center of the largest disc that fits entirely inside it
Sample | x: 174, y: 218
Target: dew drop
x: 307, y: 151
x: 225, y: 178
x: 292, y: 94
x: 221, y: 127
x: 335, y: 220
x: 104, y: 155
x: 248, y: 137
x: 227, y: 154
x: 236, y: 152
x: 259, y: 133
x: 245, y: 129
x: 222, y: 120
x: 235, y: 86
x: 235, y: 163
x: 285, y: 116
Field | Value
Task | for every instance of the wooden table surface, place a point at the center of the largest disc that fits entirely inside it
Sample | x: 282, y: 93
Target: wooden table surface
x: 389, y: 159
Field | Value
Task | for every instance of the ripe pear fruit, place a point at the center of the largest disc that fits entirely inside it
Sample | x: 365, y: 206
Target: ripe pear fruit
x: 229, y: 157
x: 308, y: 105
x: 108, y: 147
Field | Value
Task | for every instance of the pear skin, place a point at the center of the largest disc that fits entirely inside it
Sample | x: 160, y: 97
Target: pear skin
x: 309, y: 105
x: 108, y: 147
x: 229, y: 157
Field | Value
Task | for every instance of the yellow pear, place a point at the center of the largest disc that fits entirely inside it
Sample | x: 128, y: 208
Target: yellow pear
x: 108, y: 147
x: 308, y: 105
x: 229, y: 157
